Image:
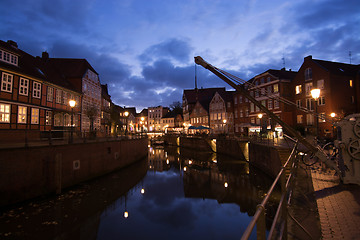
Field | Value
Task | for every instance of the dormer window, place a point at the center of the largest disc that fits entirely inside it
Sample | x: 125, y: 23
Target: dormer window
x: 8, y: 57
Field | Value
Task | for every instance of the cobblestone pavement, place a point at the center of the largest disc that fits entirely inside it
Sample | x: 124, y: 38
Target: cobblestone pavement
x: 338, y: 205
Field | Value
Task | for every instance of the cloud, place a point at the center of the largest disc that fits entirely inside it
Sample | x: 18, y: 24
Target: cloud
x: 172, y: 49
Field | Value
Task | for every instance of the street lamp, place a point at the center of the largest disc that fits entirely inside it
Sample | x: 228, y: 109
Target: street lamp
x: 126, y: 115
x: 142, y: 123
x: 72, y: 104
x: 315, y: 93
x: 224, y: 121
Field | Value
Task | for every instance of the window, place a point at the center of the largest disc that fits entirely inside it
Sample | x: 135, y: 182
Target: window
x: 310, y: 119
x: 240, y: 99
x: 34, y: 116
x: 36, y: 90
x: 228, y: 104
x: 263, y: 91
x: 298, y: 89
x: 299, y: 119
x: 308, y: 74
x: 24, y: 86
x: 276, y: 88
x: 4, y: 113
x: 263, y: 102
x: 8, y: 57
x: 22, y: 114
x: 298, y: 103
x: 309, y: 104
x: 6, y: 82
x: 50, y: 94
x: 269, y: 90
x: 270, y: 104
x: 276, y: 103
x: 268, y: 79
x: 235, y: 100
x: 320, y: 84
x: 351, y: 83
x: 321, y: 101
x: 352, y: 99
x: 256, y: 93
x: 241, y: 113
x: 246, y: 112
x: 58, y: 96
x: 308, y: 87
x: 251, y: 107
x: 236, y: 113
x: 321, y: 117
x: 48, y: 118
x: 262, y: 80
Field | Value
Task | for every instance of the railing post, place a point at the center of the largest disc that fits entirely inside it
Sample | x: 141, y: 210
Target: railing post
x: 261, y: 225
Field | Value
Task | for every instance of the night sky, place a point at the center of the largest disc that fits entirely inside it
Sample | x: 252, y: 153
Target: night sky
x: 144, y: 49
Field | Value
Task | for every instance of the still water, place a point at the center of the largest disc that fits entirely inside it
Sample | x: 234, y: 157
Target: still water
x: 173, y: 194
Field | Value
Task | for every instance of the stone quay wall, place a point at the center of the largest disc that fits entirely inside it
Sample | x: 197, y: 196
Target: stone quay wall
x: 26, y: 173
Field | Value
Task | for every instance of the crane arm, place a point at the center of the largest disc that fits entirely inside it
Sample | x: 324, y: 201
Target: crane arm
x: 316, y: 150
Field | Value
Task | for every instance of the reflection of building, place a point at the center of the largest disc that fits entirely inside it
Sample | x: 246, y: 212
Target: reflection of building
x: 158, y: 159
x: 142, y: 121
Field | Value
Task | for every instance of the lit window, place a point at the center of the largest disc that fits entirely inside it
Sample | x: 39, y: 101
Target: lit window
x: 50, y: 94
x: 6, y: 82
x: 48, y: 117
x: 351, y: 83
x: 276, y: 88
x: 34, y: 116
x: 22, y: 114
x: 299, y: 119
x: 309, y: 119
x: 298, y: 89
x: 308, y: 74
x: 308, y: 88
x: 36, y: 90
x: 5, y: 113
x: 321, y: 117
x: 24, y: 86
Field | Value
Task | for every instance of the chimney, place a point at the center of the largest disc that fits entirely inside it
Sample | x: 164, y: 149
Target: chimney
x: 308, y: 58
x: 12, y: 43
x: 45, y: 55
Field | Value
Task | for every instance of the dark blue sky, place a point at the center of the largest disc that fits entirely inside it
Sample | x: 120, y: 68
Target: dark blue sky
x: 144, y: 49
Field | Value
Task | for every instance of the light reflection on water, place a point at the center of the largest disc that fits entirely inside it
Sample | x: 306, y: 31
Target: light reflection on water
x: 186, y: 195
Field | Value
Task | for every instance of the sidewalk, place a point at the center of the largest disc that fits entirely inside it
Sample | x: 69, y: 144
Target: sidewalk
x: 338, y: 205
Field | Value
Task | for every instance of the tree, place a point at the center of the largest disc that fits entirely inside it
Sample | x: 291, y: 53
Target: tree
x: 175, y: 107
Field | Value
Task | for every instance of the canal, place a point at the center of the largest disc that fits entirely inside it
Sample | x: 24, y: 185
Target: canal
x: 175, y: 193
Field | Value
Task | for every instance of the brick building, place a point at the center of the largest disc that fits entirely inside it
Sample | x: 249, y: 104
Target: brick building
x: 339, y: 94
x: 34, y: 95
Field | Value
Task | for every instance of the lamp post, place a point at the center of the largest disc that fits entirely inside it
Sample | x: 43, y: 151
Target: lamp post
x: 126, y: 122
x: 224, y: 121
x: 72, y: 104
x: 142, y: 122
x: 260, y: 116
x: 315, y: 93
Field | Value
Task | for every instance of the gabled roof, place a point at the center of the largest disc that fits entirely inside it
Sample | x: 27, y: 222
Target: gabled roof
x: 72, y: 67
x: 227, y: 96
x: 104, y: 92
x: 34, y: 66
x: 282, y: 74
x: 339, y: 68
x: 202, y: 94
x: 144, y: 112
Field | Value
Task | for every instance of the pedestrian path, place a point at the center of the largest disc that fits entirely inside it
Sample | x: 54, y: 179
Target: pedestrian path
x: 338, y: 205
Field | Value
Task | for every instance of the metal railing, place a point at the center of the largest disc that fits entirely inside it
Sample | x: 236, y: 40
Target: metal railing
x: 281, y: 213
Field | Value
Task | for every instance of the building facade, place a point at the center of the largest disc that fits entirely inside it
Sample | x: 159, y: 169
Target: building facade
x: 339, y: 89
x: 34, y: 96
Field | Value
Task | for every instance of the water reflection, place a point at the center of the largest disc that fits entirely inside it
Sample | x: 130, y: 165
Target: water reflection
x: 174, y: 194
